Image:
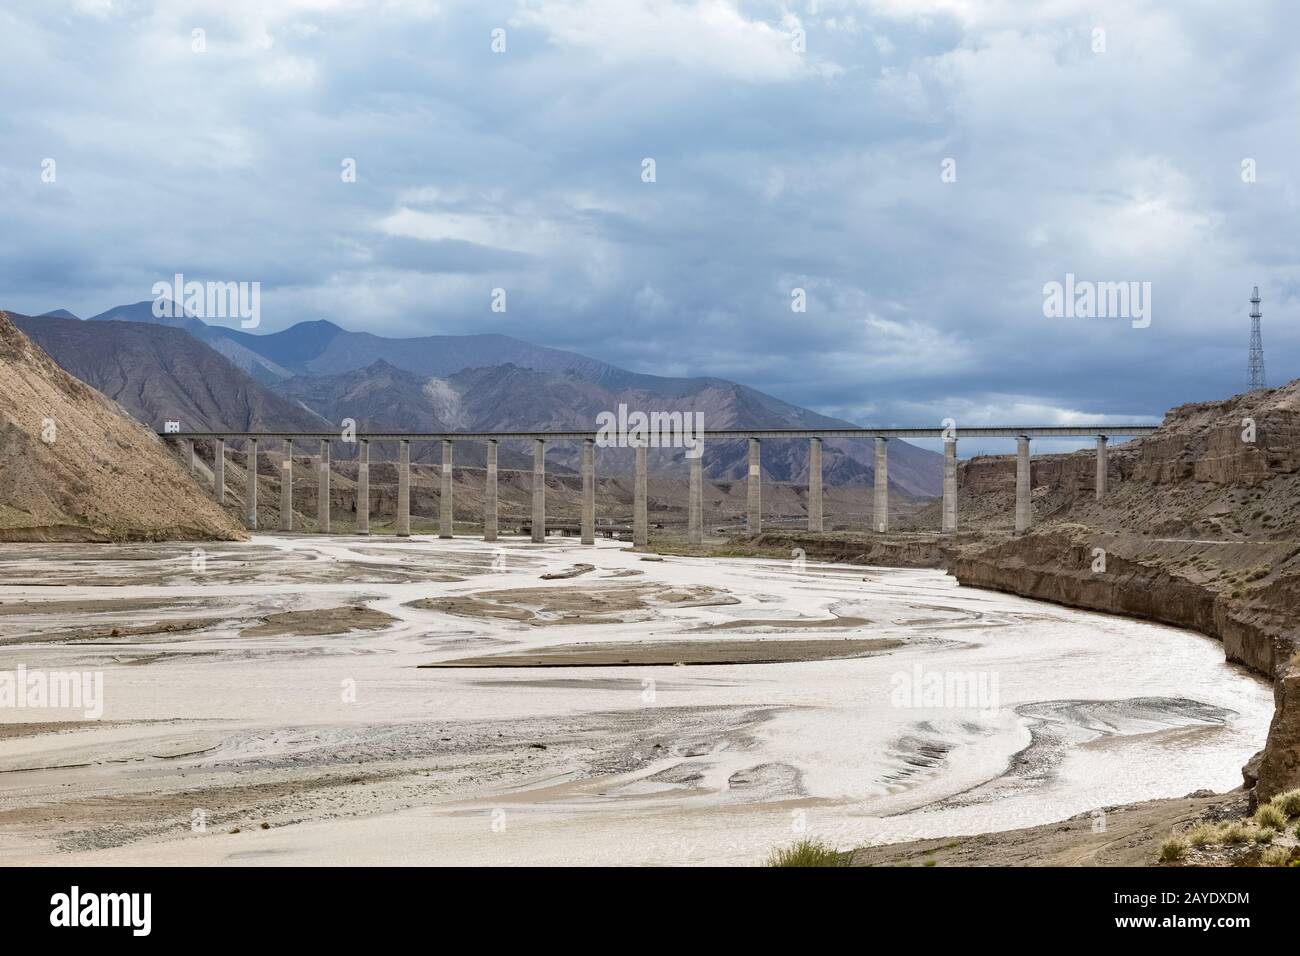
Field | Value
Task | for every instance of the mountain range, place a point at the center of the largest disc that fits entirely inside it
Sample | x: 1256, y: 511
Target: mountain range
x: 314, y: 374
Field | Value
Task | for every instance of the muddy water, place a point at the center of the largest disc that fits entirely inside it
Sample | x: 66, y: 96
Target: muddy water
x: 993, y: 712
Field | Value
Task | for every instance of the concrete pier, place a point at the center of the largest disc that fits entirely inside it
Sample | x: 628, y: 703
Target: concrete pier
x: 286, y: 487
x: 754, y: 492
x: 539, y: 490
x: 445, y: 513
x: 1024, y: 499
x: 219, y: 470
x: 950, y: 486
x: 1024, y: 516
x: 323, y: 489
x: 403, y: 521
x: 814, y: 484
x: 589, y: 491
x: 251, y: 498
x: 695, y: 501
x: 640, y: 505
x: 490, y: 495
x: 363, y: 487
x: 1101, y: 467
x: 880, y: 503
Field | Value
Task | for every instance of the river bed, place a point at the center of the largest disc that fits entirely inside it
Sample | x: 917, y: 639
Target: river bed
x: 954, y: 711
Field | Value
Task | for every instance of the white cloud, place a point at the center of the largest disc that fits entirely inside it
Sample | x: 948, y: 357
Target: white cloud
x: 709, y: 36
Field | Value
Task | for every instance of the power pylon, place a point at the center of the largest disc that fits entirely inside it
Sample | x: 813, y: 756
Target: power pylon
x: 1256, y: 365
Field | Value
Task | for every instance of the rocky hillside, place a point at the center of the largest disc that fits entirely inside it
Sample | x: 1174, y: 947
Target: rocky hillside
x: 1203, y: 474
x: 75, y: 466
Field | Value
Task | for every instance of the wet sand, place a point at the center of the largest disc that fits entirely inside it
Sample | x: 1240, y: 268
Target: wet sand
x: 585, y: 604
x: 329, y: 620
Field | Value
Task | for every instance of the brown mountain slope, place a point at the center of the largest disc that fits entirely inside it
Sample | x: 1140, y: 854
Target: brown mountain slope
x: 157, y: 373
x: 509, y: 397
x: 75, y: 466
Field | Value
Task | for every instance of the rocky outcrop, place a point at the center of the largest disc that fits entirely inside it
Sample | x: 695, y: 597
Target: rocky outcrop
x: 1213, y: 441
x: 1278, y: 766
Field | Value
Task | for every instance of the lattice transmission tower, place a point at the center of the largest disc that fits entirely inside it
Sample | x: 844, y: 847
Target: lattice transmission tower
x: 1256, y: 364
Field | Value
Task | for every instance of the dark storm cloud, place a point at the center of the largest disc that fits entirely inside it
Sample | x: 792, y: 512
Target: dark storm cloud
x: 776, y: 169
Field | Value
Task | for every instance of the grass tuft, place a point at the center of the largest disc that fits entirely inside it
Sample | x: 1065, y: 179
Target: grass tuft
x: 1234, y: 834
x: 807, y: 853
x: 1288, y: 803
x: 1270, y: 816
x: 1276, y: 856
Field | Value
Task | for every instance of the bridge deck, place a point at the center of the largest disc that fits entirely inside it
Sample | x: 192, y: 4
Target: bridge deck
x: 722, y: 434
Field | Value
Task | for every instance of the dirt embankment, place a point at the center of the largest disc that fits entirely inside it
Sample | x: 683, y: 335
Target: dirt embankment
x: 896, y: 551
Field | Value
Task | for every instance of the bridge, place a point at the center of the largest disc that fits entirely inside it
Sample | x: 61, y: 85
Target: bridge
x: 640, y: 523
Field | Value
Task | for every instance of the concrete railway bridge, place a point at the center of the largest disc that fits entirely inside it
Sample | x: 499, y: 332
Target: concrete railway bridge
x: 640, y: 523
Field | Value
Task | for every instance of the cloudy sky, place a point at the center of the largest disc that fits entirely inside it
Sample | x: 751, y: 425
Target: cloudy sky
x: 920, y: 167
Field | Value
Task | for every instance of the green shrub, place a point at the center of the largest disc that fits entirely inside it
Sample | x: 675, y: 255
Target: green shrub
x: 1173, y: 849
x: 1204, y: 834
x: 807, y: 853
x: 1265, y: 836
